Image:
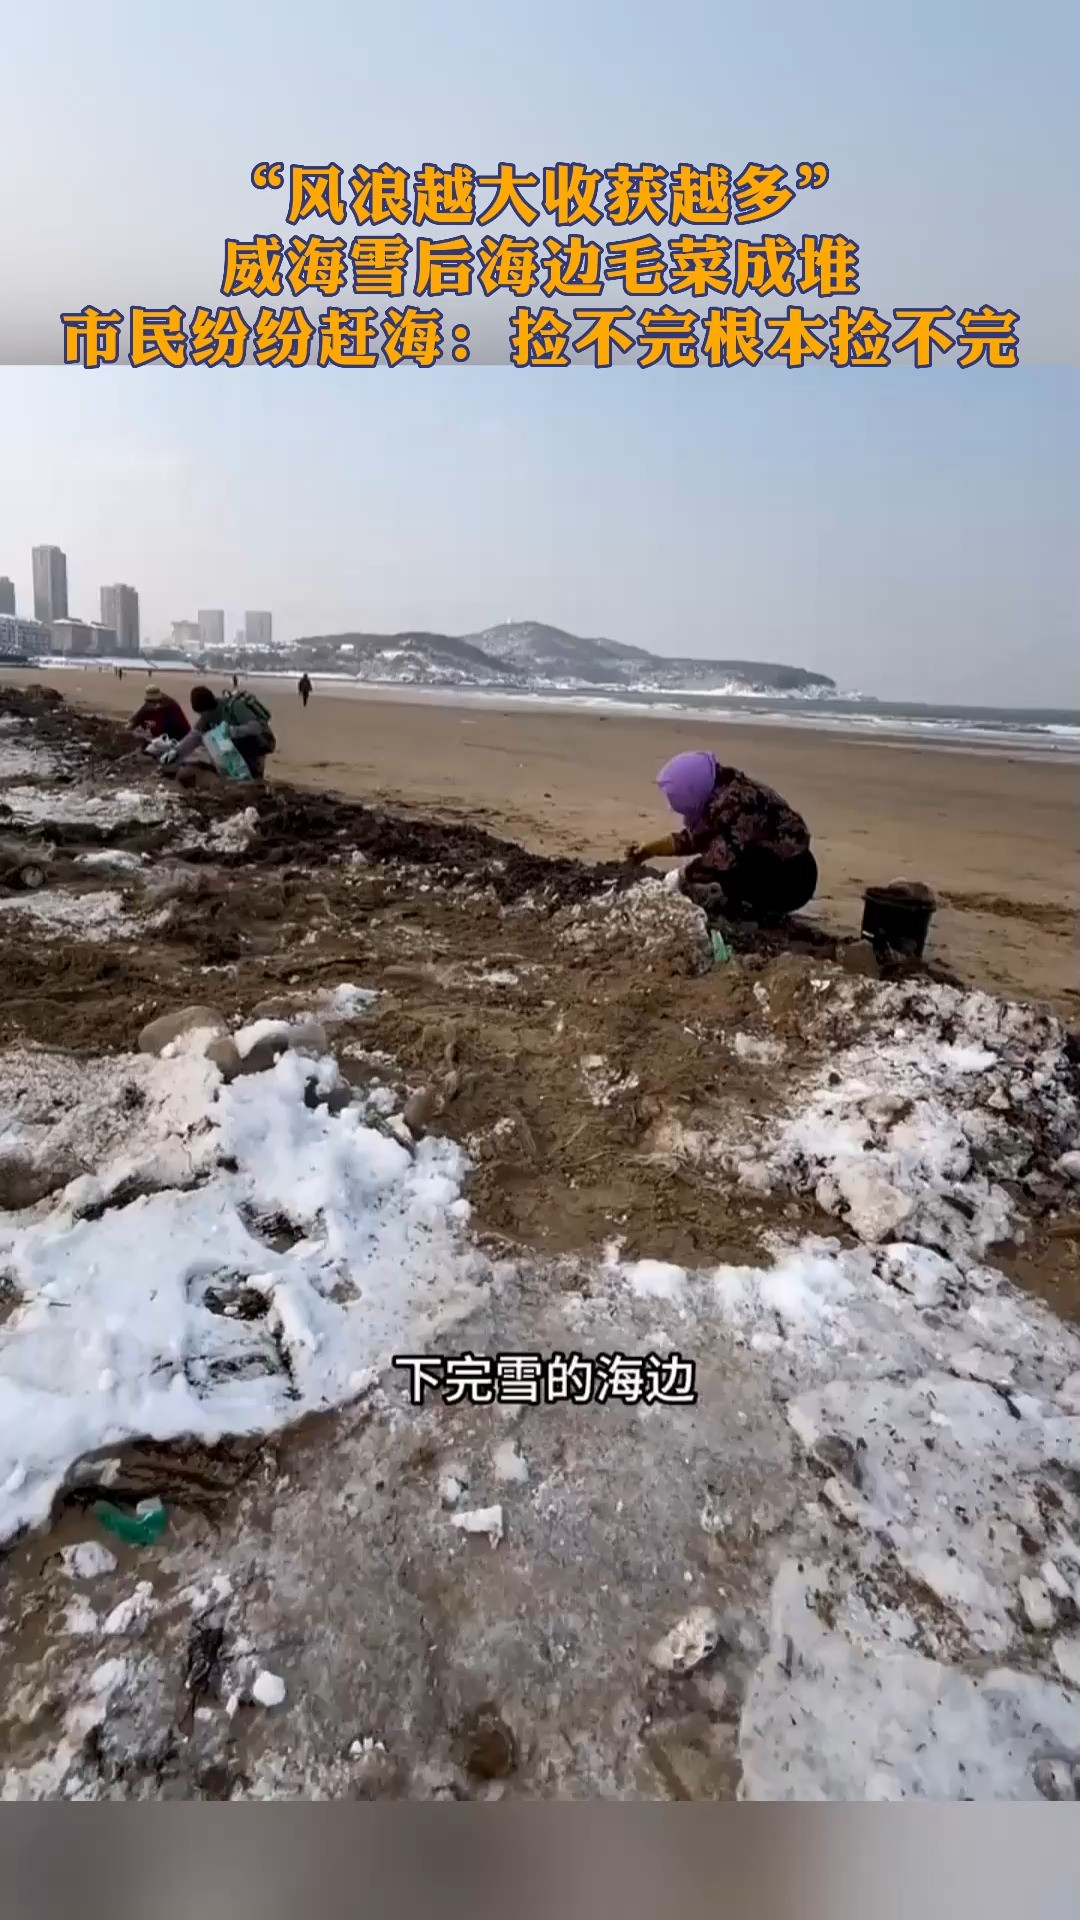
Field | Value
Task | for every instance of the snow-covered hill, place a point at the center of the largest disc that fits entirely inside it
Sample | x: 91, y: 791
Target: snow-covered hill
x: 526, y: 654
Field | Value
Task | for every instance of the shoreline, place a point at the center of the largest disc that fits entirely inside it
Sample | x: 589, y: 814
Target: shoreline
x: 939, y: 735
x: 992, y: 833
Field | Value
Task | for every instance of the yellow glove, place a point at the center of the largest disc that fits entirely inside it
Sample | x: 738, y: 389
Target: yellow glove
x: 652, y: 850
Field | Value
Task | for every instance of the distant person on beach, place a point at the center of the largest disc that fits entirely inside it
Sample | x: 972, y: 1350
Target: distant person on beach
x: 744, y: 838
x: 160, y: 717
x: 235, y: 682
x: 304, y: 689
x: 246, y: 723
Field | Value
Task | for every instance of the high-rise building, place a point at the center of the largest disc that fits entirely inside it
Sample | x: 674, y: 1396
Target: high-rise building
x: 120, y: 611
x: 7, y: 594
x: 211, y: 628
x: 258, y: 628
x: 50, y: 585
x: 185, y: 634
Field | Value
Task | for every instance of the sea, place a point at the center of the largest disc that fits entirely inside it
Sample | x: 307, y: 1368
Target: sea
x: 1035, y: 732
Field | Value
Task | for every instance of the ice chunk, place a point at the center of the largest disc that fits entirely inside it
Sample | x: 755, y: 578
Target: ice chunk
x: 487, y: 1520
x: 268, y: 1688
x: 689, y: 1642
x: 88, y: 1560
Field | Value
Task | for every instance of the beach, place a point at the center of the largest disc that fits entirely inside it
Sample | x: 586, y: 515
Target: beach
x: 993, y: 833
x: 299, y: 1095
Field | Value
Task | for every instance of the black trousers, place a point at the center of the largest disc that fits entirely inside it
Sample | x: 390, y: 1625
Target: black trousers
x: 761, y: 885
x: 252, y: 751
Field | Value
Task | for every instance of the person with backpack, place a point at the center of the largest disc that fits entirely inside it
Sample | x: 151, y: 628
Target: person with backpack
x: 239, y: 719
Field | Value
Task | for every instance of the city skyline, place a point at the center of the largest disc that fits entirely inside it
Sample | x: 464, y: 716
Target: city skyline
x: 912, y: 534
x: 119, y: 610
x: 914, y: 540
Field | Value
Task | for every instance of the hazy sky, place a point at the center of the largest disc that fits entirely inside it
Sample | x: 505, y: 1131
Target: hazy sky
x: 914, y: 534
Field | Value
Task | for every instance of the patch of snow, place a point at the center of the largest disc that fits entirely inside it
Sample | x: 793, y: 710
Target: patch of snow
x: 234, y: 834
x: 655, y: 1279
x: 112, y: 859
x: 977, y: 1364
x: 1038, y: 1606
x: 749, y: 1046
x: 124, y: 1292
x: 1068, y: 1394
x: 487, y: 1520
x: 109, y: 1676
x: 129, y: 1116
x: 602, y: 1083
x: 690, y: 1641
x: 268, y: 1689
x: 508, y: 1463
x: 1067, y: 1655
x: 888, y: 1133
x: 933, y: 1522
x: 88, y: 1560
x: 80, y: 1618
x: 345, y: 1002
x: 92, y: 916
x: 266, y: 1029
x: 78, y: 806
x: 131, y: 1615
x: 648, y: 920
x: 18, y: 759
x: 857, y: 1719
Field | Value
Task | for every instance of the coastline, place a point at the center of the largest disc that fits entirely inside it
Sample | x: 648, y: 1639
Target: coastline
x: 1033, y: 733
x: 992, y: 831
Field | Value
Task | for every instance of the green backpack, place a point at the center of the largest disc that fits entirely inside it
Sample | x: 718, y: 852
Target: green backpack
x: 245, y: 709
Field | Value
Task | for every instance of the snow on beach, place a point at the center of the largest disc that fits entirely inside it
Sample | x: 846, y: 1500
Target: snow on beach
x: 939, y: 1403
x: 123, y: 1323
x: 923, y: 1613
x: 924, y: 1635
x: 91, y: 916
x: 81, y: 806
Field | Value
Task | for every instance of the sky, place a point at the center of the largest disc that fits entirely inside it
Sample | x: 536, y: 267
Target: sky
x: 911, y: 534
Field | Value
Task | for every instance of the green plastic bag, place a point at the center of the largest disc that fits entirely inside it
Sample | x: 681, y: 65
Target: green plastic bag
x: 138, y: 1529
x: 226, y: 755
x: 720, y: 949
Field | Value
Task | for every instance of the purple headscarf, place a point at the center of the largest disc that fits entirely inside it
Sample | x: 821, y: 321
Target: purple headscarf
x: 687, y: 783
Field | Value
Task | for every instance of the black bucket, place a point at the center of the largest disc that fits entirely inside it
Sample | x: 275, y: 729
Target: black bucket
x: 898, y: 917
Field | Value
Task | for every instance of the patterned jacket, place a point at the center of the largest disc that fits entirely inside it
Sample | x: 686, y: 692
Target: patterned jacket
x: 743, y: 814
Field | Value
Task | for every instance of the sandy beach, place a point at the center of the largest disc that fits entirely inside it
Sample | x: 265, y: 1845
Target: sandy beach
x: 994, y: 834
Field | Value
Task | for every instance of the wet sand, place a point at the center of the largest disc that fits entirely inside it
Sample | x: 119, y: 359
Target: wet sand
x: 994, y: 834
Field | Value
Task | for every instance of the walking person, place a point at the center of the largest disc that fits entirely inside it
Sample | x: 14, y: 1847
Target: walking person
x: 303, y: 688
